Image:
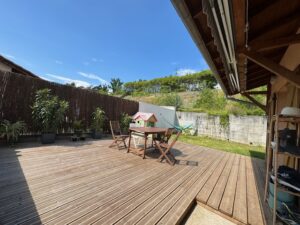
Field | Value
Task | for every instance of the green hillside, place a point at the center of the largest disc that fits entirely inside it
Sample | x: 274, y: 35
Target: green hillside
x: 193, y: 92
x: 211, y: 101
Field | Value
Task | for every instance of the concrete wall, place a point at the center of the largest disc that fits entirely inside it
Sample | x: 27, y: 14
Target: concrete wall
x: 242, y: 129
x: 165, y: 115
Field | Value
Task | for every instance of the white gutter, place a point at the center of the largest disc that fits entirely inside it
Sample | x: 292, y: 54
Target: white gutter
x: 228, y: 19
x: 230, y: 59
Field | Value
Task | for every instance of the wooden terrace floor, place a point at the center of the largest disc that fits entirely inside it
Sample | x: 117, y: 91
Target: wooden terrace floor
x: 89, y: 183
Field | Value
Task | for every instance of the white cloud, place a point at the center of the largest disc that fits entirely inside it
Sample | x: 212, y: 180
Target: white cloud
x: 97, y: 60
x: 45, y: 78
x: 78, y: 83
x: 58, y: 62
x: 8, y: 56
x: 182, y: 72
x: 93, y: 77
x: 92, y: 60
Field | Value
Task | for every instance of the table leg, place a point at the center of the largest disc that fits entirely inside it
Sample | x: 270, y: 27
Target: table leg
x: 129, y: 142
x: 145, y: 146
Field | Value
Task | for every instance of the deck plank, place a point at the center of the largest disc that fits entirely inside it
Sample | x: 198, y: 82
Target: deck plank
x: 254, y: 215
x: 160, y: 209
x: 207, y: 189
x: 240, y: 201
x: 176, y: 212
x: 216, y: 196
x: 89, y: 183
x: 227, y: 202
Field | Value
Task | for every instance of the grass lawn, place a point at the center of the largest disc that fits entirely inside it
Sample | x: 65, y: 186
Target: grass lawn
x: 242, y: 149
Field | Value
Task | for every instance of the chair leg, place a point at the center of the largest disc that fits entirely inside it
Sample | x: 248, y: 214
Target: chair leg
x: 112, y: 144
x: 168, y: 160
x: 164, y: 155
x: 118, y: 145
x: 124, y: 141
x: 168, y: 154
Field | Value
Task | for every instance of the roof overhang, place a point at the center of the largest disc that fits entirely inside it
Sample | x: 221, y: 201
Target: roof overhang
x: 190, y: 25
x: 243, y: 41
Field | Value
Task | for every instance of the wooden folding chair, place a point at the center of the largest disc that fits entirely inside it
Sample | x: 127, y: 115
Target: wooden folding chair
x: 163, y: 138
x: 118, y: 138
x: 165, y: 150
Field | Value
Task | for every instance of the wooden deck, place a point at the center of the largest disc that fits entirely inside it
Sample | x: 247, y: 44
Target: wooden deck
x: 89, y: 183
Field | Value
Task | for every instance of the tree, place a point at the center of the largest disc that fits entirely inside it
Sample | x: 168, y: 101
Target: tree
x: 116, y: 85
x: 190, y: 82
x: 101, y: 88
x: 72, y: 84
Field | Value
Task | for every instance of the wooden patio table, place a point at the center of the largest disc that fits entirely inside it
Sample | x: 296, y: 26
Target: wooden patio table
x: 145, y: 131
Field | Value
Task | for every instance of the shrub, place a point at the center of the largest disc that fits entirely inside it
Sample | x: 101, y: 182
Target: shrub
x: 98, y: 118
x: 125, y: 121
x: 11, y: 131
x: 48, y: 111
x: 210, y: 99
x: 172, y: 99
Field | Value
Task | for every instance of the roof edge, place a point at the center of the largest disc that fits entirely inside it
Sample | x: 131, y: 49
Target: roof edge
x: 183, y: 12
x: 15, y: 66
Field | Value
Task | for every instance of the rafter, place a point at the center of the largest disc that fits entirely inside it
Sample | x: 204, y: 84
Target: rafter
x: 274, y: 12
x: 257, y: 103
x: 265, y: 32
x: 256, y: 92
x: 240, y: 101
x: 263, y: 45
x: 239, y: 11
x: 273, y: 67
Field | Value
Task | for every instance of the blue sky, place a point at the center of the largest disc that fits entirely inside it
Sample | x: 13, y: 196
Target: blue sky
x: 92, y: 41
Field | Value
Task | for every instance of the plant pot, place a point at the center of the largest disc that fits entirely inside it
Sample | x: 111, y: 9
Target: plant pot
x: 97, y: 134
x: 48, y: 138
x: 78, y: 133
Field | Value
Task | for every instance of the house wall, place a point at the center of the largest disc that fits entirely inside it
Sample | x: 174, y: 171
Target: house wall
x: 4, y: 67
x: 165, y: 115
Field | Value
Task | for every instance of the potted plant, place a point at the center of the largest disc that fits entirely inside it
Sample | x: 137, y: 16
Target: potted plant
x: 125, y: 122
x: 11, y: 131
x: 78, y: 131
x: 98, y: 118
x: 48, y: 112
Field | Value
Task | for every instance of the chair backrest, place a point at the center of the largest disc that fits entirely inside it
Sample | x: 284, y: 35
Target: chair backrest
x: 175, y: 139
x: 168, y: 135
x: 115, y: 128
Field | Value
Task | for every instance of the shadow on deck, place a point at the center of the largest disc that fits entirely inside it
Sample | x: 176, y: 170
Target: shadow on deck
x: 16, y: 201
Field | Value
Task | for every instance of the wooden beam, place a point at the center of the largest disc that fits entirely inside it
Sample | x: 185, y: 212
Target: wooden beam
x: 274, y: 12
x: 240, y: 101
x: 273, y: 67
x: 263, y: 45
x: 256, y: 92
x: 268, y: 32
x: 239, y: 25
x: 259, y: 77
x: 255, y: 84
x: 257, y: 103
